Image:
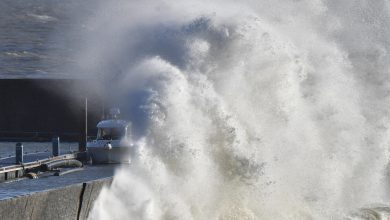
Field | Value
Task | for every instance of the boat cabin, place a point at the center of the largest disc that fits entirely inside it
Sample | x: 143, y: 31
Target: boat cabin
x: 113, y: 143
x: 112, y: 129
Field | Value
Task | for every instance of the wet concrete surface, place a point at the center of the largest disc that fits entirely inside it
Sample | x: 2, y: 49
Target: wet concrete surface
x: 48, y: 181
x: 68, y: 196
x: 69, y: 202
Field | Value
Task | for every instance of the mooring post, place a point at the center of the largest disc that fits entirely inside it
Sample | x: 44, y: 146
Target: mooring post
x: 103, y: 110
x: 56, y: 146
x: 84, y: 127
x: 19, y: 153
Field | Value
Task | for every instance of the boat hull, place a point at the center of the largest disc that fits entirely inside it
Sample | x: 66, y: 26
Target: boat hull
x: 105, y: 155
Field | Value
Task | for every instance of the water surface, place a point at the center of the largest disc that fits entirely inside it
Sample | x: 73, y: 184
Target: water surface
x: 35, y: 41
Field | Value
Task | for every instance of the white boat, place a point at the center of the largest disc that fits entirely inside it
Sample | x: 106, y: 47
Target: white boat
x: 113, y: 142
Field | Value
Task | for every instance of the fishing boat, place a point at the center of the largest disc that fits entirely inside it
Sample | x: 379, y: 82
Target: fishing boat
x: 113, y: 141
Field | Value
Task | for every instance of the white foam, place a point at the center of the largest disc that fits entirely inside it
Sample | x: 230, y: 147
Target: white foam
x: 253, y: 110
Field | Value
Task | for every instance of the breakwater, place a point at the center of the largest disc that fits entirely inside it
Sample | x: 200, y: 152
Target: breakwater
x: 69, y: 202
x: 38, y: 109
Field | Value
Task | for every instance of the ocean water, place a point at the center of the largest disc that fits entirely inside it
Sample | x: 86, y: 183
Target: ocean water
x: 34, y: 41
x: 267, y: 109
x: 7, y: 149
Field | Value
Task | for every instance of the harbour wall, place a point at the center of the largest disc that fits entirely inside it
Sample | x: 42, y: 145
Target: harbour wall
x: 38, y: 109
x: 70, y: 202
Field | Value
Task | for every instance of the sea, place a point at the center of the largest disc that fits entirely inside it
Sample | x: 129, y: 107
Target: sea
x: 7, y: 149
x: 34, y: 37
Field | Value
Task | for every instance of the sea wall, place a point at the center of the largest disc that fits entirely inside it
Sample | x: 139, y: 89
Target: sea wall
x: 38, y: 109
x: 70, y: 202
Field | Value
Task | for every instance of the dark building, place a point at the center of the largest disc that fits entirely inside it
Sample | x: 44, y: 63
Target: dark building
x: 38, y: 109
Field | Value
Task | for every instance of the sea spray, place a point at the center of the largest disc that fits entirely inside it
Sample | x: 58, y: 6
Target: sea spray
x: 246, y: 110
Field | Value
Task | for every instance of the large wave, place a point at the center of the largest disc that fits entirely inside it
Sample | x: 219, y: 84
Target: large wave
x: 247, y: 110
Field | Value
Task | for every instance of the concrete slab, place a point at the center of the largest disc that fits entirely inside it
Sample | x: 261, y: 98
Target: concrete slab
x: 69, y: 202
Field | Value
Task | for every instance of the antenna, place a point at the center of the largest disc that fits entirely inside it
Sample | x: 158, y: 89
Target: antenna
x: 114, y: 113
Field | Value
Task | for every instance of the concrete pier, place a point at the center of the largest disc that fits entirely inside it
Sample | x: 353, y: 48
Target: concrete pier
x: 69, y: 202
x: 11, y: 172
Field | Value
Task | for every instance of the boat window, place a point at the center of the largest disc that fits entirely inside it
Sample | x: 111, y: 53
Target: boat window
x: 111, y: 133
x: 117, y: 133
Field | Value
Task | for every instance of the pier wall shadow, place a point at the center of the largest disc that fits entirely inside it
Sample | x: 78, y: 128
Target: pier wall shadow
x: 38, y: 109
